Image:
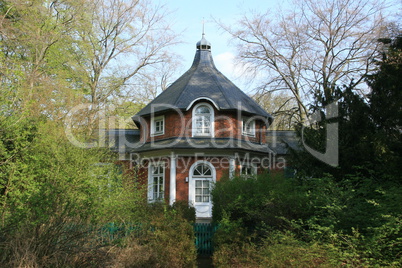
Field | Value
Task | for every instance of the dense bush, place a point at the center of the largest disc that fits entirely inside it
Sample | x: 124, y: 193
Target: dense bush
x: 167, y: 240
x: 268, y: 200
x: 277, y: 250
x: 58, y: 201
x: 280, y: 222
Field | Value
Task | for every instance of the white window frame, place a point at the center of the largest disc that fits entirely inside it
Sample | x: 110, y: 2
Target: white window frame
x: 151, y: 176
x: 249, y: 121
x: 250, y: 167
x: 212, y: 121
x: 154, y: 120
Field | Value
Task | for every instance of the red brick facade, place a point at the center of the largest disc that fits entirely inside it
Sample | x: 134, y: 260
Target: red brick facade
x: 226, y: 125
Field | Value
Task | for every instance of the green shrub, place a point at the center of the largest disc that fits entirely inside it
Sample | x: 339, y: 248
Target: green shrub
x: 276, y: 250
x: 352, y: 222
x: 57, y: 243
x: 166, y: 241
x: 183, y: 209
x: 269, y: 200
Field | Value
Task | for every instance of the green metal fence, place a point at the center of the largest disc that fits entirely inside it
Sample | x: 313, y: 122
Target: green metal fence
x: 204, y: 233
x: 112, y: 231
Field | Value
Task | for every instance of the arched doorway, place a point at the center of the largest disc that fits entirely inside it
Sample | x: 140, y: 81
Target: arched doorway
x: 202, y: 177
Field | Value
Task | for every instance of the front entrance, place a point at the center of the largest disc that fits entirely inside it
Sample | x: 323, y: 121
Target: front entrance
x: 202, y: 177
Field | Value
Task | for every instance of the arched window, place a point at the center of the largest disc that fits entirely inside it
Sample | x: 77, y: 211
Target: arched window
x: 202, y: 170
x: 203, y: 120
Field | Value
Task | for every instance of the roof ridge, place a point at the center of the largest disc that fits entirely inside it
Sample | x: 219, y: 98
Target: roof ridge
x: 220, y: 87
x: 185, y: 88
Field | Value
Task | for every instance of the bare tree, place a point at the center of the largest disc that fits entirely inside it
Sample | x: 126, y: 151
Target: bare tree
x: 117, y: 44
x: 310, y: 49
x: 281, y: 106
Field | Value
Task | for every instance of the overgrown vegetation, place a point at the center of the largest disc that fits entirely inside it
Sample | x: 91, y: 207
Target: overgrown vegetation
x: 349, y: 215
x: 59, y: 200
x: 62, y: 205
x: 280, y: 222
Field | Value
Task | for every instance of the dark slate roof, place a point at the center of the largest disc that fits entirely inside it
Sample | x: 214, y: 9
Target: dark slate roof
x: 281, y: 141
x: 203, y: 80
x: 122, y: 140
x: 202, y: 143
x: 128, y: 140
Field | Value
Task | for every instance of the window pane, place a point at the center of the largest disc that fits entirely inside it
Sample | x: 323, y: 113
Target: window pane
x: 158, y: 126
x: 206, y: 199
x: 202, y: 110
x: 198, y: 121
x: 198, y: 198
x: 206, y: 184
x: 198, y: 184
x: 198, y: 191
x: 205, y: 191
x: 156, y: 180
x: 200, y: 168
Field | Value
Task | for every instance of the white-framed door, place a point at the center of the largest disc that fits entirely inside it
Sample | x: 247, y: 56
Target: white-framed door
x: 202, y: 177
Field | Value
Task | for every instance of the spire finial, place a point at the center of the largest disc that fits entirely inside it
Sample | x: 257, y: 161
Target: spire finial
x: 203, y: 26
x: 203, y: 44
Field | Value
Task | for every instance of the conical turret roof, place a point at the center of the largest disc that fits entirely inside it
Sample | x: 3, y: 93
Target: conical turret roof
x: 204, y: 81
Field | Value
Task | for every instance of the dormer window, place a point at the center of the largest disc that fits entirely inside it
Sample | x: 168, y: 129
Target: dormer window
x: 157, y: 126
x: 248, y: 127
x: 203, y: 120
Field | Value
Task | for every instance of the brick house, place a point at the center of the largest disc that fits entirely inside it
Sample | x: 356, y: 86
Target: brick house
x: 197, y: 131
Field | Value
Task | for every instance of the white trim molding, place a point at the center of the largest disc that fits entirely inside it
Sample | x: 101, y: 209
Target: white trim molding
x: 172, y: 192
x: 232, y: 167
x: 202, y: 98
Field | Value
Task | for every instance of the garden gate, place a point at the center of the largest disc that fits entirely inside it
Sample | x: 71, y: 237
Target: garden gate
x: 204, y: 233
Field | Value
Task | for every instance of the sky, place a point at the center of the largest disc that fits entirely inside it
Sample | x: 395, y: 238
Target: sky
x: 187, y: 20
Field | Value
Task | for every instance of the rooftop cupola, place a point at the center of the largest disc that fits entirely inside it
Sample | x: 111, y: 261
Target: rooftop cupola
x: 204, y: 81
x: 203, y: 44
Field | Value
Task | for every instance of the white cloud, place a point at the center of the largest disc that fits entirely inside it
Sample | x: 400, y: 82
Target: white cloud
x: 225, y: 63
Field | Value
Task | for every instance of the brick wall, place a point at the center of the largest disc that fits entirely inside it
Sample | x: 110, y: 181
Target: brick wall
x: 226, y: 125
